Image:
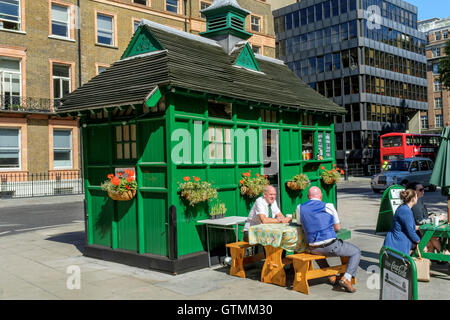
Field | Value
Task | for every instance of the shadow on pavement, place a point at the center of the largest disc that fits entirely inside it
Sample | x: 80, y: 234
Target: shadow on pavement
x: 75, y: 238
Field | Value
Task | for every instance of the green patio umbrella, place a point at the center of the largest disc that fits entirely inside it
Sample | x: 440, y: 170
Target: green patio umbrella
x: 441, y: 172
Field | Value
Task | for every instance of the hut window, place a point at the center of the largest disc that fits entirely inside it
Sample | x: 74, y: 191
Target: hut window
x: 219, y: 110
x: 268, y: 116
x: 219, y: 142
x: 307, y: 145
x: 126, y: 142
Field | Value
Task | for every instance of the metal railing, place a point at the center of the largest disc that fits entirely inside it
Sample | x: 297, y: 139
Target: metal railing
x: 21, y: 185
x: 18, y: 103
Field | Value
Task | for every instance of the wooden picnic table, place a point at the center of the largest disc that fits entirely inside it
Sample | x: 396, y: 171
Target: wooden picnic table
x: 429, y: 231
x: 276, y: 237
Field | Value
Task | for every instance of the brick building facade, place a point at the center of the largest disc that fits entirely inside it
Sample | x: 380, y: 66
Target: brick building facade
x: 437, y: 116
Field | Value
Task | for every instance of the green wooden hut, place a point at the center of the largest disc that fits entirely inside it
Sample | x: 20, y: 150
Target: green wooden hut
x: 178, y: 105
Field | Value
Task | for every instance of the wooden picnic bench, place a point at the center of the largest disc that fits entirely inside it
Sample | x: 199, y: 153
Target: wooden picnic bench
x: 304, y: 270
x: 237, y: 251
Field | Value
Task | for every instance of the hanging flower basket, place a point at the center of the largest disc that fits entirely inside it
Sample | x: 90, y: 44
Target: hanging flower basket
x: 121, y: 187
x: 195, y: 191
x: 253, y: 187
x: 331, y: 176
x: 298, y: 182
x: 123, y: 196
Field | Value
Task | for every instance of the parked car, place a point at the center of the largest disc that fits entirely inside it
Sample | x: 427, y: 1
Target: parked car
x: 404, y: 171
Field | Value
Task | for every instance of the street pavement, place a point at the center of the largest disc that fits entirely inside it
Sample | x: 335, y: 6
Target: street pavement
x: 48, y: 263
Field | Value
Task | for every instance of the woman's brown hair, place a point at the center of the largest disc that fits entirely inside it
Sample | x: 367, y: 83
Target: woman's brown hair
x: 407, y: 195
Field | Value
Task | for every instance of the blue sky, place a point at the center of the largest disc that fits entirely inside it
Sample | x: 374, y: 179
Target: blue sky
x: 432, y: 8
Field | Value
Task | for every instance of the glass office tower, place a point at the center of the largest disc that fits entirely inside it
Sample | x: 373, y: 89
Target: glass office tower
x: 366, y: 55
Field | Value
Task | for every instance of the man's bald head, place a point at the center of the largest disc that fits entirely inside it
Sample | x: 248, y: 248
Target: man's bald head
x: 315, y: 192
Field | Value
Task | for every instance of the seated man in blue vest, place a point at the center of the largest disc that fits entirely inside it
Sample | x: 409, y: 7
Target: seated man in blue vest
x: 320, y: 222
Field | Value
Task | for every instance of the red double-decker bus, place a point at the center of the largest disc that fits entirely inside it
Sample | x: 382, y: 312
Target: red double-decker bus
x: 398, y: 145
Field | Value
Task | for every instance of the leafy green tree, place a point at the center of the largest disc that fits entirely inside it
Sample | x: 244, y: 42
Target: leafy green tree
x: 444, y: 68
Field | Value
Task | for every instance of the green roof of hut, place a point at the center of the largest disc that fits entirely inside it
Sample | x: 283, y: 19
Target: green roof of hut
x: 159, y: 56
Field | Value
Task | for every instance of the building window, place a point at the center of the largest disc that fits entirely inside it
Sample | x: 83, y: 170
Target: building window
x: 10, y: 14
x: 436, y: 68
x: 436, y: 52
x: 100, y: 69
x: 172, y: 6
x: 438, y: 103
x: 424, y: 121
x: 439, y: 121
x: 204, y: 5
x: 60, y: 21
x: 219, y: 143
x: 11, y: 82
x: 437, y: 85
x: 105, y: 29
x: 126, y: 142
x: 256, y: 23
x: 256, y: 49
x: 438, y: 36
x: 62, y: 149
x: 9, y: 148
x: 136, y: 25
x: 445, y: 33
x: 61, y: 81
x: 143, y: 2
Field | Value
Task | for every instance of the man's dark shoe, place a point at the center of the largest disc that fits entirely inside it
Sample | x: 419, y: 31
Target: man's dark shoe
x: 347, y: 285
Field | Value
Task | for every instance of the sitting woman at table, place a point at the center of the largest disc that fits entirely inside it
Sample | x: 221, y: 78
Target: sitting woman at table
x: 265, y: 210
x: 421, y: 216
x: 403, y: 234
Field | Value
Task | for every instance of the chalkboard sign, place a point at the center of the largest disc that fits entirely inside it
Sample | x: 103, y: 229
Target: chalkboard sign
x: 320, y: 143
x: 397, y: 277
x: 328, y: 145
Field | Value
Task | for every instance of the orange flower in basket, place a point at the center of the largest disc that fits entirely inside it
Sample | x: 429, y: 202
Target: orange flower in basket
x: 338, y: 169
x: 129, y: 179
x: 129, y: 173
x: 322, y: 167
x: 196, y: 178
x: 265, y: 176
x: 128, y: 188
x: 342, y: 171
x: 257, y: 175
x: 186, y: 179
x: 110, y: 176
x: 115, y: 181
x: 241, y: 182
x: 334, y: 165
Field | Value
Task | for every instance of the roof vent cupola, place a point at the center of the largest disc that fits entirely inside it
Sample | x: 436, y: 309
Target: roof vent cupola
x: 225, y: 23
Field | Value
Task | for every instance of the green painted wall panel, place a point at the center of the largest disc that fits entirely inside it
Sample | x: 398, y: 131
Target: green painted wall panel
x: 102, y: 215
x: 154, y: 177
x: 127, y: 230
x: 152, y: 141
x: 155, y: 208
x: 97, y: 149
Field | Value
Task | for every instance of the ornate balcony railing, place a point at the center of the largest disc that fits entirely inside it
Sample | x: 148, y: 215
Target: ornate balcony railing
x: 30, y: 104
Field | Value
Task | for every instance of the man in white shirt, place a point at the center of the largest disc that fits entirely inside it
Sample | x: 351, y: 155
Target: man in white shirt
x: 265, y: 210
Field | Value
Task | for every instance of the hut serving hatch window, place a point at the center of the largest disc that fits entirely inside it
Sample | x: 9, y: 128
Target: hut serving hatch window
x: 125, y: 142
x: 219, y: 143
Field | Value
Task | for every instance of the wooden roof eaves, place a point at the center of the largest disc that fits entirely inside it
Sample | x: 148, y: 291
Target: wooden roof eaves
x: 258, y: 104
x: 86, y: 110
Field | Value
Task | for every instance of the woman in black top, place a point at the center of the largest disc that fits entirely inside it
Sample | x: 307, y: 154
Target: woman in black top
x: 421, y: 216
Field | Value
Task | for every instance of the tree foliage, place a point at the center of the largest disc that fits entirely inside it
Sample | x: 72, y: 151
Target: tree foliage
x: 444, y: 68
